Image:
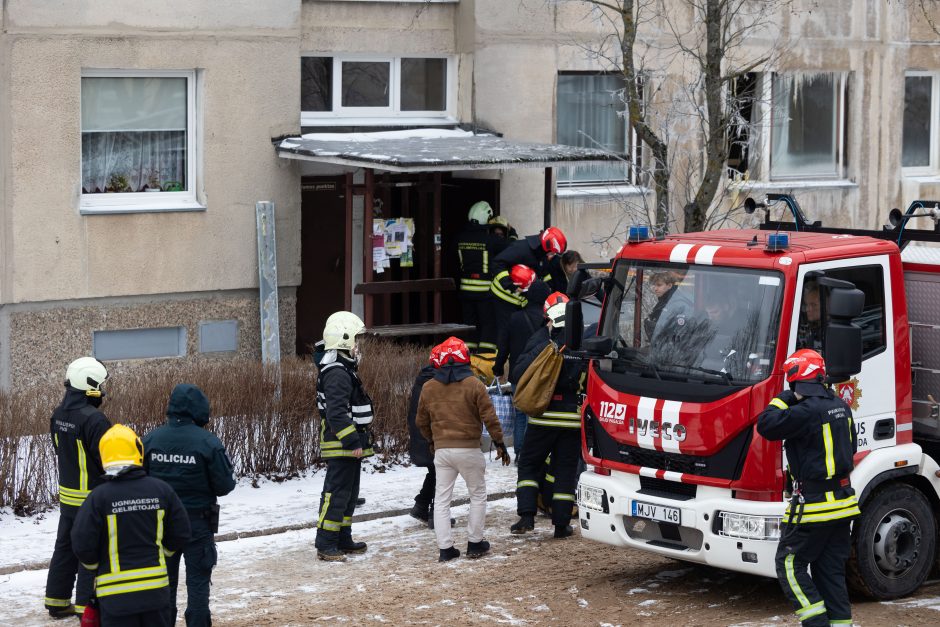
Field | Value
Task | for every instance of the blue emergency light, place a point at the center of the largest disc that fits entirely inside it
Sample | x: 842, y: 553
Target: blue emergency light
x: 638, y: 233
x: 777, y: 241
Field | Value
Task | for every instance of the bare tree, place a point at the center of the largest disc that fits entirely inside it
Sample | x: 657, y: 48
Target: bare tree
x: 712, y: 43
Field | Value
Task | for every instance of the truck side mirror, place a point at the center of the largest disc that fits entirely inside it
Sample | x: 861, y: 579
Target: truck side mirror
x: 843, y: 344
x: 599, y: 345
x: 574, y: 325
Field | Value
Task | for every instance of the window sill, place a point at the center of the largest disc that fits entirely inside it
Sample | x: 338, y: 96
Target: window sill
x: 922, y: 178
x: 594, y: 191
x: 803, y: 184
x: 386, y: 120
x: 130, y: 206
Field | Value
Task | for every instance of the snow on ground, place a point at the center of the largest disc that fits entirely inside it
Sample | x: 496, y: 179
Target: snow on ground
x: 271, y: 504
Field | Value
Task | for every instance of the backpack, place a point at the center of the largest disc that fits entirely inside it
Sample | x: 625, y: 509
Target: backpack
x: 536, y: 386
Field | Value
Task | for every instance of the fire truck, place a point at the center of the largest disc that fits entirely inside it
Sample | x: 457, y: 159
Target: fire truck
x: 688, y: 353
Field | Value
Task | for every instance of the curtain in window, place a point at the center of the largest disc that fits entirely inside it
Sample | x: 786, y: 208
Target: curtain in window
x: 134, y: 134
x: 805, y: 124
x: 590, y: 110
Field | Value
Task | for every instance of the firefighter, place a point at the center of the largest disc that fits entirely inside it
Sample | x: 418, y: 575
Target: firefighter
x: 557, y: 432
x: 500, y: 227
x: 345, y: 437
x: 477, y: 246
x: 195, y: 464
x: 521, y: 278
x: 534, y: 252
x: 820, y: 442
x: 124, y: 532
x: 76, y: 428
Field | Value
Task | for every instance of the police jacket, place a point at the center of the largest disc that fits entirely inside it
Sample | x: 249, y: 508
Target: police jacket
x: 345, y: 408
x: 477, y: 246
x: 76, y: 427
x: 189, y: 458
x: 522, y: 325
x: 820, y: 443
x: 418, y: 447
x: 564, y: 410
x: 526, y: 251
x: 123, y: 532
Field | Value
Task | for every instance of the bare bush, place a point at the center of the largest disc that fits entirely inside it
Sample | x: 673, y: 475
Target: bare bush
x: 265, y: 415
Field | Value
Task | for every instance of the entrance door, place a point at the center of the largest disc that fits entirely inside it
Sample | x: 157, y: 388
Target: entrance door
x: 322, y: 257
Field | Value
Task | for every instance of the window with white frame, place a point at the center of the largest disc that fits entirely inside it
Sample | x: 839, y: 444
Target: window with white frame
x: 807, y: 125
x: 919, y: 152
x: 376, y: 87
x: 590, y: 115
x: 138, y: 140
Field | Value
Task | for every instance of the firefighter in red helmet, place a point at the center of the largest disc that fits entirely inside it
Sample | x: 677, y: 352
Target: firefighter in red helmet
x: 820, y: 441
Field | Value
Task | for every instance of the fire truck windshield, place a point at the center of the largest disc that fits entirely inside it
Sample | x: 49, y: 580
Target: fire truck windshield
x: 689, y: 322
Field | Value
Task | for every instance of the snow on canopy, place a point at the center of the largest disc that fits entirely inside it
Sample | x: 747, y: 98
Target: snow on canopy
x: 428, y: 150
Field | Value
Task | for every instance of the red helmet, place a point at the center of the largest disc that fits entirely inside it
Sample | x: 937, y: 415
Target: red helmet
x: 555, y: 298
x: 522, y: 276
x: 553, y: 240
x: 451, y: 350
x: 805, y: 365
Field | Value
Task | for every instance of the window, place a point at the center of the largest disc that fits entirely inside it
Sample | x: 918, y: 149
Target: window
x: 376, y: 88
x: 139, y: 343
x: 590, y: 115
x: 920, y: 134
x: 806, y: 135
x: 138, y: 141
x: 218, y: 337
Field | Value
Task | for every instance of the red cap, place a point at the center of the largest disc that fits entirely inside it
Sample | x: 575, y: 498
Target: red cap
x: 451, y: 350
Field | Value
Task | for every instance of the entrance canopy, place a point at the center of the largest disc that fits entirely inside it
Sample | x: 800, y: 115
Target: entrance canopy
x: 435, y: 150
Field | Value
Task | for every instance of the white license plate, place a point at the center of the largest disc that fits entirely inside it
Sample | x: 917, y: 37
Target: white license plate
x: 657, y: 512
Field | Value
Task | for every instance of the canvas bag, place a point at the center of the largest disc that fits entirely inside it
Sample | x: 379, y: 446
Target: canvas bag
x: 537, y: 384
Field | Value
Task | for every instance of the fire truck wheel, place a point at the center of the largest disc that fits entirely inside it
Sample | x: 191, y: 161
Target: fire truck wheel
x: 893, y: 543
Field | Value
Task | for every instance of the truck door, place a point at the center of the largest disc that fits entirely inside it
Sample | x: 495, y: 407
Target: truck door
x: 871, y: 394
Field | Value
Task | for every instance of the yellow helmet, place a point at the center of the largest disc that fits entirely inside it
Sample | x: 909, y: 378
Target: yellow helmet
x: 341, y: 330
x: 120, y: 446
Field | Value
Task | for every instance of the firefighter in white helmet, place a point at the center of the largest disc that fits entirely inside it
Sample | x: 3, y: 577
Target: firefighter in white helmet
x: 76, y: 428
x: 345, y: 437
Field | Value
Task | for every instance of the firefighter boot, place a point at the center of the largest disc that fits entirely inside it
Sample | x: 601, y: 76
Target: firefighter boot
x: 346, y: 543
x: 449, y: 554
x: 525, y: 524
x: 67, y: 611
x: 327, y: 544
x: 421, y: 512
x: 477, y: 549
x: 563, y: 531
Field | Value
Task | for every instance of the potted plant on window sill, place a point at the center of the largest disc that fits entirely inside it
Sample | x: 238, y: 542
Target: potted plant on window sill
x: 153, y: 181
x: 118, y: 183
x: 173, y: 186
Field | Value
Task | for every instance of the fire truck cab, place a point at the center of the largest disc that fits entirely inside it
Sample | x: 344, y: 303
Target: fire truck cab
x: 688, y: 352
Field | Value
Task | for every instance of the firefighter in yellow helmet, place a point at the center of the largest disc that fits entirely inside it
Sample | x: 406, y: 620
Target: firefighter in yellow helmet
x: 345, y: 436
x: 124, y: 532
x: 76, y: 427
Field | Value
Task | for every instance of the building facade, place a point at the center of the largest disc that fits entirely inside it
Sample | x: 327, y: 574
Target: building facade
x: 135, y: 142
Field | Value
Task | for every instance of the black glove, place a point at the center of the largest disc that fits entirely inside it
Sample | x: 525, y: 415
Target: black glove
x: 788, y: 397
x: 502, y: 453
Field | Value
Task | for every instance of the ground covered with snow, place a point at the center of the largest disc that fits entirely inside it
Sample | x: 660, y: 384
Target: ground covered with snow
x: 533, y: 579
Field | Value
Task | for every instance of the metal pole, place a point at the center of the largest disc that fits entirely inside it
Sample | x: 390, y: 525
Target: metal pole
x: 267, y: 282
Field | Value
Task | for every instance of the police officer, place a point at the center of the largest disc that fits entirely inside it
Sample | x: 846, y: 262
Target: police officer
x: 76, y: 428
x: 557, y: 432
x: 477, y: 246
x: 345, y: 438
x: 123, y: 533
x: 534, y: 252
x: 820, y: 442
x: 195, y: 464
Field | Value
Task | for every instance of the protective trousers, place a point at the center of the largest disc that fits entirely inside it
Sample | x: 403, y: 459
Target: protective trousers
x: 338, y: 501
x: 200, y: 555
x: 156, y: 618
x: 478, y: 311
x: 63, y: 567
x: 823, y: 598
x: 564, y: 445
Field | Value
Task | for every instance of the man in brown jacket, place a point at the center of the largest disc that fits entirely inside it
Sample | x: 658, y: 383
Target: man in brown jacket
x: 451, y: 411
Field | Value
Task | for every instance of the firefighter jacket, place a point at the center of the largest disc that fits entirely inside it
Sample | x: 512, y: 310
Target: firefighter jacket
x: 526, y: 251
x: 820, y: 442
x: 564, y: 410
x: 345, y: 408
x: 189, y: 458
x: 76, y: 427
x: 123, y: 532
x: 477, y: 246
x: 523, y: 324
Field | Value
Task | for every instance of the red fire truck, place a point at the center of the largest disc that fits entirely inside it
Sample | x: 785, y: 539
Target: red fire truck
x: 688, y: 352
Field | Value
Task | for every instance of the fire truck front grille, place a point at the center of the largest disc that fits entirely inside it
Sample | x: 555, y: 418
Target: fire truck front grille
x: 662, y: 460
x: 667, y: 489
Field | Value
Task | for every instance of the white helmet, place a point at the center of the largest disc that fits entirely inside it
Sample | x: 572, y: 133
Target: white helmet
x: 480, y: 212
x: 87, y: 373
x: 341, y: 330
x: 556, y: 313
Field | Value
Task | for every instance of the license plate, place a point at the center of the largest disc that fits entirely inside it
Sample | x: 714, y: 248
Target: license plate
x: 657, y: 512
